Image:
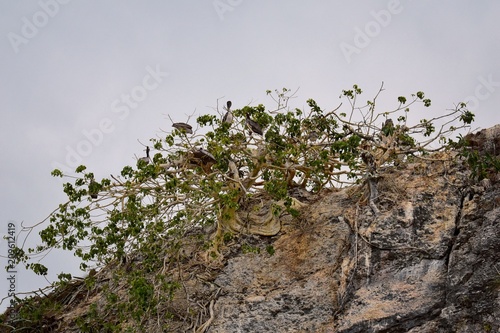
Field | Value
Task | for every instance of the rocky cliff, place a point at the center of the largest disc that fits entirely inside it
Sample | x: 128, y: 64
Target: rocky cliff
x: 429, y: 261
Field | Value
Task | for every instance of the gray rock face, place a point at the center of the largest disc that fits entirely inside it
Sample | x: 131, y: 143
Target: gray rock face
x: 472, y: 302
x: 295, y: 289
x: 429, y: 262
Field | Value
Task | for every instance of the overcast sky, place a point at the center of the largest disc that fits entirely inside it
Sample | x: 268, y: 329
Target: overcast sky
x: 82, y: 81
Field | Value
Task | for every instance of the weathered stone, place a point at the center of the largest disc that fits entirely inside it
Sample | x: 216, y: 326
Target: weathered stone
x: 428, y: 261
x: 295, y: 289
x: 487, y: 140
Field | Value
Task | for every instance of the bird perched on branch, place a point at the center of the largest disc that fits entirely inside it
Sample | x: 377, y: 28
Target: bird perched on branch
x: 146, y: 159
x: 93, y: 189
x: 183, y: 127
x: 228, y: 117
x: 254, y: 126
x: 388, y: 127
x: 204, y: 156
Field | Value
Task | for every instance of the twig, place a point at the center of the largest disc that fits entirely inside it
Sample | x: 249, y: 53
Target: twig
x: 207, y: 323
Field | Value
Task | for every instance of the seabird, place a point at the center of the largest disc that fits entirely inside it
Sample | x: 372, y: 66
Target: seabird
x: 228, y: 117
x: 93, y: 189
x: 204, y: 156
x: 388, y: 127
x: 146, y: 159
x: 183, y: 127
x: 254, y: 126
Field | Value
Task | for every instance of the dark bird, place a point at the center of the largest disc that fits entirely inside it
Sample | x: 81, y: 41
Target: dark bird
x: 146, y: 159
x: 93, y: 189
x: 254, y: 126
x: 228, y: 117
x: 388, y: 127
x: 183, y: 127
x: 204, y: 156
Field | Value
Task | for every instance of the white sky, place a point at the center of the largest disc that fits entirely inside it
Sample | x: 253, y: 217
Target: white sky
x: 65, y: 66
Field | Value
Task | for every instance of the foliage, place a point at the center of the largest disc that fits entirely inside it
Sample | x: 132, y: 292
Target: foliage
x: 481, y: 162
x: 36, y: 312
x: 246, y: 248
x: 185, y: 187
x: 207, y: 178
x: 270, y: 249
x: 481, y: 165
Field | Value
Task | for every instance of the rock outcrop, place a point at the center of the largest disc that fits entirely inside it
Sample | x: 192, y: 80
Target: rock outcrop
x: 428, y: 261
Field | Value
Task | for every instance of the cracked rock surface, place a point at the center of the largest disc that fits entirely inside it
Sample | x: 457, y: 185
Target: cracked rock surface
x: 428, y: 262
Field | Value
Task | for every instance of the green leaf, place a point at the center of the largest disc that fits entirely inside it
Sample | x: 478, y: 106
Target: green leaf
x: 467, y: 117
x: 80, y: 169
x: 56, y: 173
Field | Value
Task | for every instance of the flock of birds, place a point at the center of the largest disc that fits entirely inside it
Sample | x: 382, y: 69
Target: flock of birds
x: 201, y: 154
x: 204, y: 157
x: 228, y: 118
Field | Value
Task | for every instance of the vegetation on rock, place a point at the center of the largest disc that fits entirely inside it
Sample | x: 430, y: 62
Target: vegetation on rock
x: 200, y: 190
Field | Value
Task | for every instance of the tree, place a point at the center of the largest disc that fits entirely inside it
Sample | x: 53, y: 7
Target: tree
x: 206, y: 179
x: 224, y: 179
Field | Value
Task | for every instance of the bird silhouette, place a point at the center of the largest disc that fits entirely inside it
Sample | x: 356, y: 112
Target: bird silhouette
x: 204, y: 156
x: 228, y: 117
x: 146, y: 159
x: 93, y: 189
x: 254, y: 126
x: 388, y: 127
x: 183, y: 127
